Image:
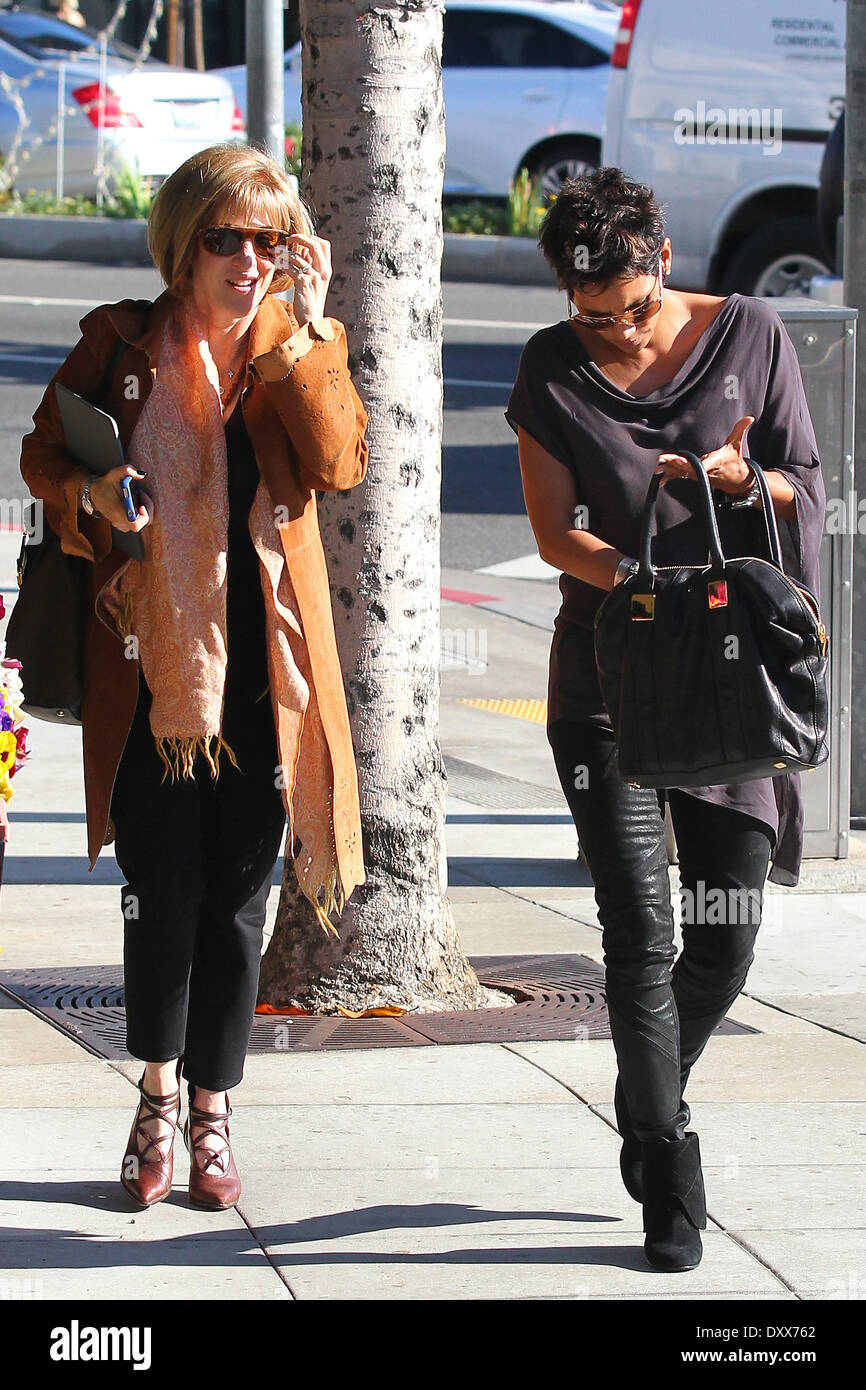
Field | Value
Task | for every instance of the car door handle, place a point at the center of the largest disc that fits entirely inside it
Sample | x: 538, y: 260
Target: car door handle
x: 537, y: 94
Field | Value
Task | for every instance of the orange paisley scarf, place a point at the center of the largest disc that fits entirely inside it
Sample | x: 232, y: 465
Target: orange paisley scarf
x: 174, y: 602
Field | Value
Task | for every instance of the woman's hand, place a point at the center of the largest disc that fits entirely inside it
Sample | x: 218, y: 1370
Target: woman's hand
x: 726, y: 468
x: 107, y: 498
x: 308, y: 261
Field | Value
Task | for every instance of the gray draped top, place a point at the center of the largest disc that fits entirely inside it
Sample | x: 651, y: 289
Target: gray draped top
x: 743, y: 363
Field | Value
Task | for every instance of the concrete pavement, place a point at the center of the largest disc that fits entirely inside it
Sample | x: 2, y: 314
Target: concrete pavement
x: 485, y: 1171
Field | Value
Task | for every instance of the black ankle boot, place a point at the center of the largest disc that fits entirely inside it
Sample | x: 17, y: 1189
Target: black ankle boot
x: 630, y: 1153
x: 674, y: 1204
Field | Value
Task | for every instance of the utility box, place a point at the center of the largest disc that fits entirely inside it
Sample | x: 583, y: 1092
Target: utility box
x: 824, y: 336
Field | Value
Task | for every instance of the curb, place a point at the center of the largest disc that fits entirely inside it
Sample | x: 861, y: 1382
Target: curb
x: 109, y: 240
x: 508, y: 260
x: 121, y: 241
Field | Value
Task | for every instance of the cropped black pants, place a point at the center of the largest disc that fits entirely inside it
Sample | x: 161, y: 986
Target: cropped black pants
x: 662, y: 1013
x: 198, y: 857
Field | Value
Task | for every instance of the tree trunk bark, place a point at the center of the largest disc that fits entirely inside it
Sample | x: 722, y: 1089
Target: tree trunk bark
x: 373, y: 160
x: 197, y: 34
x: 171, y: 23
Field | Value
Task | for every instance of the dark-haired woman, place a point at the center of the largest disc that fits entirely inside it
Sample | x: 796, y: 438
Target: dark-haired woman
x: 603, y: 399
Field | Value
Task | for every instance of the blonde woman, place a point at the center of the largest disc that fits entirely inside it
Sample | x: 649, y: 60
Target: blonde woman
x: 207, y: 660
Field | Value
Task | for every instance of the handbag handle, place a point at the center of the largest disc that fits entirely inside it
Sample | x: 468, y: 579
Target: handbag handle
x: 646, y: 569
x: 774, y: 545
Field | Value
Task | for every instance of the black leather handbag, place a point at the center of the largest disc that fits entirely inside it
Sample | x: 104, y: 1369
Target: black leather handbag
x: 713, y: 673
x: 46, y: 627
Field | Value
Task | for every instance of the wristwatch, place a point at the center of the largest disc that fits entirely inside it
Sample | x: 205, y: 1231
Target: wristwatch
x: 625, y: 567
x: 86, y: 499
x: 748, y: 499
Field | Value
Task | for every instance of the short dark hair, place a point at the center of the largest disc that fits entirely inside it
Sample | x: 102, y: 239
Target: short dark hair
x: 616, y: 221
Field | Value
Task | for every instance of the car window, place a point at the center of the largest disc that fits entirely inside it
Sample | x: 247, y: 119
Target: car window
x: 496, y: 39
x: 39, y: 36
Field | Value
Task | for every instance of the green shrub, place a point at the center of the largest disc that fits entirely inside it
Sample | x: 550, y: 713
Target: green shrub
x: 526, y: 205
x: 293, y: 160
x: 129, y: 196
x: 480, y: 216
x: 41, y: 201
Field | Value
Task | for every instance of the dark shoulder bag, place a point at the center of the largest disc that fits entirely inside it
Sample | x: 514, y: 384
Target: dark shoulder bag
x: 46, y: 627
x: 713, y: 673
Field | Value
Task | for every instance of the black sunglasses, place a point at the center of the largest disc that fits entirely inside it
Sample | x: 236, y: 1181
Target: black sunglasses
x: 227, y: 241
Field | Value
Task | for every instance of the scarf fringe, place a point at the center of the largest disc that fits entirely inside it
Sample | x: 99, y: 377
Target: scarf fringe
x: 335, y: 900
x: 179, y: 754
x: 125, y: 618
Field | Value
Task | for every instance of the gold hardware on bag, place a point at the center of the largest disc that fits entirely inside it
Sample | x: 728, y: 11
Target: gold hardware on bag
x: 634, y: 784
x: 822, y: 638
x: 643, y: 607
x: 780, y: 764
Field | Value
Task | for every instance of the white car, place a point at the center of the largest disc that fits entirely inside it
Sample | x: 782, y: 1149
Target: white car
x: 153, y: 116
x: 724, y: 110
x: 524, y: 84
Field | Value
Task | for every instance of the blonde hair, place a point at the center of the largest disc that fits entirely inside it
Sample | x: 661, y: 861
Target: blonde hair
x: 228, y: 180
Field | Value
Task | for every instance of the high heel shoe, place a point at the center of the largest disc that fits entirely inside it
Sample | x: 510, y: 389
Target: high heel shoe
x: 674, y: 1206
x: 222, y: 1188
x: 148, y: 1180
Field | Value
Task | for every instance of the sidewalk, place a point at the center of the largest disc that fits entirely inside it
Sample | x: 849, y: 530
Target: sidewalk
x: 450, y: 1172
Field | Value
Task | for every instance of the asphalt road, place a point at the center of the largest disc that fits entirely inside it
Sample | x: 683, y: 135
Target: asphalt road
x: 483, y: 517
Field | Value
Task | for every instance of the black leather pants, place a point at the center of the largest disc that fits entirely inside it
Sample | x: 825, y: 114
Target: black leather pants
x: 661, y: 1013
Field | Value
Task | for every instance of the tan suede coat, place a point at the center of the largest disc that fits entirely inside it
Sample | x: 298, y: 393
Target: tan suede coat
x: 306, y: 424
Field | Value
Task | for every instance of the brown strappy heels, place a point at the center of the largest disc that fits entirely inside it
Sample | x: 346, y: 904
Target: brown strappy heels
x: 146, y: 1179
x: 216, y: 1189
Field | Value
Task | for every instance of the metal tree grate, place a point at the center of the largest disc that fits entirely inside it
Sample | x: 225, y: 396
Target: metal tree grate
x: 483, y: 787
x: 560, y: 998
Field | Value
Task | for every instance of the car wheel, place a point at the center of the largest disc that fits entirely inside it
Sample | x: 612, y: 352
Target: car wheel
x: 778, y: 259
x: 566, y: 160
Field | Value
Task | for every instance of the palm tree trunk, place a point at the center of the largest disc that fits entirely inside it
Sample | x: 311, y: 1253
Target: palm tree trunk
x: 373, y: 158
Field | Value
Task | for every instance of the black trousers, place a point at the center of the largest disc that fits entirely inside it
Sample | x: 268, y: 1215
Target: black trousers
x: 661, y: 1013
x: 198, y: 856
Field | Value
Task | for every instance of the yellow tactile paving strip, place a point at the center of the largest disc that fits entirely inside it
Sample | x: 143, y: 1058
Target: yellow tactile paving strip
x: 533, y: 710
